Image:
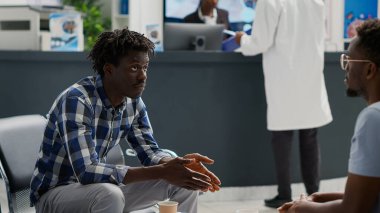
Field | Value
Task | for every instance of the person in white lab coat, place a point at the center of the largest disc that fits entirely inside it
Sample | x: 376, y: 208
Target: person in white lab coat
x: 290, y: 35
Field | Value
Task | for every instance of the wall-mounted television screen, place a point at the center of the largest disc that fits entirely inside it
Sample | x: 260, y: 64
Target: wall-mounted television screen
x: 355, y: 13
x: 241, y: 12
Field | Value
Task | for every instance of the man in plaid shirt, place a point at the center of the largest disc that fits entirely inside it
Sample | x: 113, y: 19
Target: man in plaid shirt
x: 89, y: 118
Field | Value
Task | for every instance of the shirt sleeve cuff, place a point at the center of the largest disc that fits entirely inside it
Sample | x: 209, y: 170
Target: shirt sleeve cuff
x: 119, y: 173
x: 244, y: 40
x: 246, y: 47
x: 158, y: 156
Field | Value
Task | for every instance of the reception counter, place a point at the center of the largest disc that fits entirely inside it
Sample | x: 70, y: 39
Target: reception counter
x: 211, y: 103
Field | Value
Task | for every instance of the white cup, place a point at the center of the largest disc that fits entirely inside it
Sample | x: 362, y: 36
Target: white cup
x: 246, y: 211
x: 167, y: 206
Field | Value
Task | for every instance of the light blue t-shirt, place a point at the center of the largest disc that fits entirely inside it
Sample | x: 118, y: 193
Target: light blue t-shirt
x: 365, y: 145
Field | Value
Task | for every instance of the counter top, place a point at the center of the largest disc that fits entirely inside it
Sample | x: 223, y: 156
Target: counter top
x: 162, y: 57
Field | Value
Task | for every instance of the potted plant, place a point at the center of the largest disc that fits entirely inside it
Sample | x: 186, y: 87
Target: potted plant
x: 93, y: 21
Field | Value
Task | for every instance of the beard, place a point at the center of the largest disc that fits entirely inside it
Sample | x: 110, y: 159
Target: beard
x: 352, y: 93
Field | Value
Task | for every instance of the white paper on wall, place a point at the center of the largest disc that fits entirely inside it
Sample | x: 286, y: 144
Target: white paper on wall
x: 30, y: 2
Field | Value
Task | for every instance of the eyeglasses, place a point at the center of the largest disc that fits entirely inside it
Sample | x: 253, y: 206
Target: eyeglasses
x: 345, y: 60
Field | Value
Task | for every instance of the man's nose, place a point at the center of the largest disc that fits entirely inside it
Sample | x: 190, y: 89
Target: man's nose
x: 142, y: 74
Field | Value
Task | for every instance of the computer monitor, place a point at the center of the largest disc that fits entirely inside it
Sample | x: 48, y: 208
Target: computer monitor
x: 198, y: 37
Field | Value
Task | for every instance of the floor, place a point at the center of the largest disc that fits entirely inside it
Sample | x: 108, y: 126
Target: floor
x: 250, y: 206
x: 231, y: 199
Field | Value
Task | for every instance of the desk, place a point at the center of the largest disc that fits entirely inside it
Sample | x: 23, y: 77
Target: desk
x: 211, y: 103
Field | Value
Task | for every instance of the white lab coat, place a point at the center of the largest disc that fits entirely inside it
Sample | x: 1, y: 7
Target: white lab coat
x: 290, y: 34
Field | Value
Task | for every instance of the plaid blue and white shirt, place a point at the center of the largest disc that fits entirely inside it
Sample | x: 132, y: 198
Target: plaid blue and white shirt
x: 82, y: 127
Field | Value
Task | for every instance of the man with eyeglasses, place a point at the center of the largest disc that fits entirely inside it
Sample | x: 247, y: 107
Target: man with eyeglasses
x: 290, y: 35
x: 362, y: 78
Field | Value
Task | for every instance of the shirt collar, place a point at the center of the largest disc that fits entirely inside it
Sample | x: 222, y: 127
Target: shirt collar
x: 103, y: 96
x: 208, y: 19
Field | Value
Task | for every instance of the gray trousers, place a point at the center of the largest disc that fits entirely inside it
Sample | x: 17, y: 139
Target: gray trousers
x: 106, y: 197
x: 309, y: 157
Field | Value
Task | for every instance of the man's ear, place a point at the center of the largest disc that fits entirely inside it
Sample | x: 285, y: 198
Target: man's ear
x: 372, y: 71
x: 108, y: 69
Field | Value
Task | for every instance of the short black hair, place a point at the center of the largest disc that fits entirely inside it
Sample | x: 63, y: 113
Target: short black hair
x: 110, y: 47
x: 369, y: 39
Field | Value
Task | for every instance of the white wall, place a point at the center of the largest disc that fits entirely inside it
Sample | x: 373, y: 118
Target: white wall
x: 145, y: 12
x: 106, y: 7
x: 147, y: 17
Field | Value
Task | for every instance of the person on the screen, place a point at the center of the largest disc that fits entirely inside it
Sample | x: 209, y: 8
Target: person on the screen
x: 290, y: 35
x: 240, y: 11
x: 92, y: 116
x: 208, y: 13
x: 361, y: 64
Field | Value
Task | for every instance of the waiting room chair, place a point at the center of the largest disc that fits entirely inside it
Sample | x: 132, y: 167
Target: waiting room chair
x: 20, y: 139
